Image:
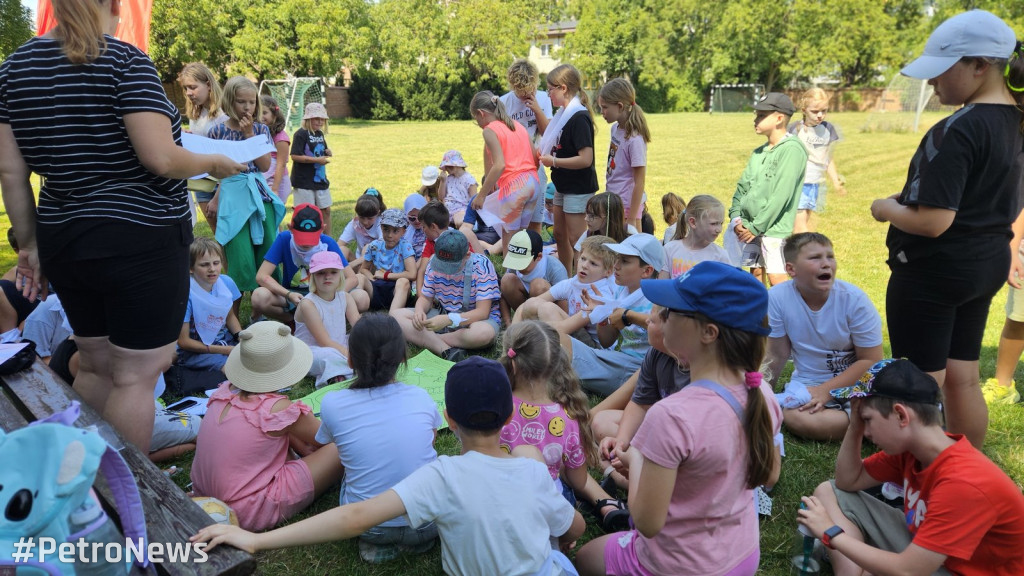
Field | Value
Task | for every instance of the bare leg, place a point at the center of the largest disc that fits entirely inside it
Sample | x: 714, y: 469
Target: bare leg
x: 327, y: 221
x: 1011, y: 346
x: 802, y: 222
x: 478, y: 335
x: 577, y: 226
x: 206, y: 214
x: 402, y: 286
x: 8, y: 316
x: 966, y: 411
x: 325, y: 468
x: 270, y: 305
x: 590, y: 558
x: 562, y: 238
x: 828, y: 425
x: 513, y: 295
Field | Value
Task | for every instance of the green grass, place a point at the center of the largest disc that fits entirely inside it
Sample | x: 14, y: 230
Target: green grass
x: 691, y: 154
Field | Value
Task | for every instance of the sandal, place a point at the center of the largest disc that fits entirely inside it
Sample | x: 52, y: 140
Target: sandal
x: 615, y: 521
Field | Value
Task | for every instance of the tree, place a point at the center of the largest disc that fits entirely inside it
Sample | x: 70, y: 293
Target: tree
x: 15, y: 26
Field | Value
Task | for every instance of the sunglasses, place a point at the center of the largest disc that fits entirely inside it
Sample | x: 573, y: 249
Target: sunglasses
x: 412, y: 218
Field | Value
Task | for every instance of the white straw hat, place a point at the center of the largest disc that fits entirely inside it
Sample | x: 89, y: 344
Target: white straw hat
x: 267, y: 358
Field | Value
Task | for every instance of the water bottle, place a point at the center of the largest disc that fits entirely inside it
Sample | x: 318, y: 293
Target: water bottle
x: 805, y: 561
x: 89, y: 514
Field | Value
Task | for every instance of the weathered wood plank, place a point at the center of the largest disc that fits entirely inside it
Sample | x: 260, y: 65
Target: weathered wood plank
x: 171, y: 517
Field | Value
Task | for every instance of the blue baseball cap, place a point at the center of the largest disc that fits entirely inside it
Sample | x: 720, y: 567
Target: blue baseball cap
x: 477, y: 394
x: 723, y: 293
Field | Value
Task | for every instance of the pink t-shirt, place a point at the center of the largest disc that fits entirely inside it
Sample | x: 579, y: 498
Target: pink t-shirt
x: 550, y: 429
x: 518, y: 153
x: 284, y: 187
x: 624, y: 154
x: 238, y: 461
x: 712, y: 522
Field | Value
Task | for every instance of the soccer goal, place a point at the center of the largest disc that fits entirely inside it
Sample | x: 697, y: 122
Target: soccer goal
x: 901, y: 106
x: 292, y: 94
x: 734, y: 97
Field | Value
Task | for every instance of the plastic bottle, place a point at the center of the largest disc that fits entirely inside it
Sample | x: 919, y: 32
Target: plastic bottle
x: 106, y: 532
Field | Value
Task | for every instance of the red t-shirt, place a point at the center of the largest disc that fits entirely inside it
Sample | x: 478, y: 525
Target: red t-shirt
x: 962, y: 505
x: 428, y: 249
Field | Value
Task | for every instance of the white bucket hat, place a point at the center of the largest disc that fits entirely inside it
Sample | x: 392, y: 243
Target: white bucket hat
x: 267, y: 358
x: 973, y: 33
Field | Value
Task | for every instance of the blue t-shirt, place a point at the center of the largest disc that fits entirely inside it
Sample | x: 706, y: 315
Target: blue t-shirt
x: 392, y: 260
x: 280, y: 254
x: 471, y: 217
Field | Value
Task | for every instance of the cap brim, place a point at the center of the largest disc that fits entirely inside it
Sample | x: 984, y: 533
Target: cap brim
x: 306, y: 238
x: 664, y: 293
x: 516, y: 261
x: 928, y: 67
x: 444, y: 267
x: 623, y: 249
x: 858, y: 390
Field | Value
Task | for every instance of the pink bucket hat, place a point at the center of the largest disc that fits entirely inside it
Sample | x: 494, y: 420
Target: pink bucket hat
x: 453, y: 158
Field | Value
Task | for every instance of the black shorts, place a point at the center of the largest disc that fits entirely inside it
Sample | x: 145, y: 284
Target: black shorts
x: 136, y: 298
x: 383, y: 294
x: 937, y: 309
x: 60, y: 360
x: 22, y: 306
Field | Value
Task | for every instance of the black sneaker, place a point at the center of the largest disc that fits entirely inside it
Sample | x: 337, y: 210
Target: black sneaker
x: 454, y: 354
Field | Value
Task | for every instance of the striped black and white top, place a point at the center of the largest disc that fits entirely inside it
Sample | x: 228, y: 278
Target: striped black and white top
x: 68, y: 121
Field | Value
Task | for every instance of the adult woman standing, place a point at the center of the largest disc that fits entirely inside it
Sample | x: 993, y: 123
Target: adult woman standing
x: 112, y: 229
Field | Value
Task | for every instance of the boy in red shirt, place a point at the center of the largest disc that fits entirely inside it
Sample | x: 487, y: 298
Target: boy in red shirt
x: 961, y: 512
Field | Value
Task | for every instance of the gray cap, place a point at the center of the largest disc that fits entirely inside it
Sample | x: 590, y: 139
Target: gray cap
x: 645, y: 246
x: 776, y: 102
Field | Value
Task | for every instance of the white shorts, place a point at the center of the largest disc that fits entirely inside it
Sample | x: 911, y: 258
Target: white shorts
x: 319, y: 198
x: 771, y: 251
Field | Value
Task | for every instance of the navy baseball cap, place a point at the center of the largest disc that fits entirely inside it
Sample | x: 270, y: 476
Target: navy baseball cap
x: 894, y: 379
x: 477, y: 394
x: 723, y: 293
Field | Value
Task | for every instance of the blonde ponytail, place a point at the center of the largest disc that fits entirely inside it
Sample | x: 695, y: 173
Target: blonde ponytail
x: 489, y: 102
x: 620, y: 91
x: 80, y: 29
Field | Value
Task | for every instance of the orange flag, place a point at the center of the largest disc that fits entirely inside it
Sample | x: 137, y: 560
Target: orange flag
x: 133, y: 27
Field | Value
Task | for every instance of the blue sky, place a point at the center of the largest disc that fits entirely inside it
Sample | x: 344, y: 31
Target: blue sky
x: 31, y: 5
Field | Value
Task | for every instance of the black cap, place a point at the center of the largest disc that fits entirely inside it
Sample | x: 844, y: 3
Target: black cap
x: 894, y: 379
x: 477, y: 394
x: 776, y: 102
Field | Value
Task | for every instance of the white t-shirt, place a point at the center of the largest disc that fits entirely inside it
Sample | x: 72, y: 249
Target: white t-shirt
x: 822, y: 341
x: 355, y: 231
x: 679, y: 258
x: 494, y: 515
x: 669, y: 233
x: 521, y: 113
x: 571, y: 290
x: 383, y: 435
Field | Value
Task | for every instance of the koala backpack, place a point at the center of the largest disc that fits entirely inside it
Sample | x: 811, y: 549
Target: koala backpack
x: 48, y: 472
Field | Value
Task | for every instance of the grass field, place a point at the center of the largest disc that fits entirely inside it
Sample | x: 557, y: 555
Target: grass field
x: 690, y: 154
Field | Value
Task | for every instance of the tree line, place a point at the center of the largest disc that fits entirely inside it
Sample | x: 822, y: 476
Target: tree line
x: 423, y: 59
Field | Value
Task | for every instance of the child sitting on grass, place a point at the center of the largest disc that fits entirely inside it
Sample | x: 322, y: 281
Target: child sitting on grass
x: 390, y: 263
x: 322, y: 319
x: 460, y: 186
x: 363, y: 229
x: 529, y: 272
x: 377, y: 452
x: 245, y: 443
x: 481, y: 533
x: 563, y: 306
x: 208, y: 333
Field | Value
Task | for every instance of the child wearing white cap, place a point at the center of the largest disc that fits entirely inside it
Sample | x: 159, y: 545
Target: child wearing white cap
x: 531, y: 272
x: 950, y: 227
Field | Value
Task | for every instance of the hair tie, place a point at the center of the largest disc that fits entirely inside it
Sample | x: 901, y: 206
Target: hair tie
x: 511, y: 353
x: 632, y: 103
x: 1018, y: 53
x: 753, y: 379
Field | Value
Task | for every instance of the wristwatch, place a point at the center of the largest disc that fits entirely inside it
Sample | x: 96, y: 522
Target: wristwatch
x: 625, y: 318
x: 455, y: 318
x: 828, y: 535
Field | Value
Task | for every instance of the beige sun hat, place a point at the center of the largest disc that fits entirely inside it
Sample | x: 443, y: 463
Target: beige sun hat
x: 267, y: 358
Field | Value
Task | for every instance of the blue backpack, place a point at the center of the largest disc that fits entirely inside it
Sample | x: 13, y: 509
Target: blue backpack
x: 48, y: 472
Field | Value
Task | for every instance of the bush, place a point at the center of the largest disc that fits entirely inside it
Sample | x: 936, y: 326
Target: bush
x: 376, y: 94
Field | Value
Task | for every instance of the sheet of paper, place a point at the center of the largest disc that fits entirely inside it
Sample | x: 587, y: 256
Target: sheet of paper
x: 424, y: 370
x: 240, y: 151
x: 489, y: 214
x: 7, y: 351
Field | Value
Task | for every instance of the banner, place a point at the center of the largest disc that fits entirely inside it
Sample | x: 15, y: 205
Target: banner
x: 133, y: 27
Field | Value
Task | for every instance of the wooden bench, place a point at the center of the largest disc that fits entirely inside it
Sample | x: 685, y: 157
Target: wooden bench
x: 171, y: 516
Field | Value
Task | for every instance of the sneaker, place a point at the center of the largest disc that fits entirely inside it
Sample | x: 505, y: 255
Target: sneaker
x: 375, y: 553
x: 454, y: 354
x: 996, y: 394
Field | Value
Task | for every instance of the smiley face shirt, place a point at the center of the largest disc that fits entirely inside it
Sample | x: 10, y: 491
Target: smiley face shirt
x: 549, y: 429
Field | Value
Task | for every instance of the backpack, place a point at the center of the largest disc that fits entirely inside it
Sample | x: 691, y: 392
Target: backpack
x: 37, y: 499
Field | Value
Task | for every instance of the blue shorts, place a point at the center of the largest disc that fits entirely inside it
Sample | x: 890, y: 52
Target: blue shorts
x: 809, y: 197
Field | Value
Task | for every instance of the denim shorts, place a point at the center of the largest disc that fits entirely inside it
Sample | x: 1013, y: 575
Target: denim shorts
x: 809, y: 197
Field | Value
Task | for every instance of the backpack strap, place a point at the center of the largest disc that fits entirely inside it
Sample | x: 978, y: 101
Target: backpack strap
x: 121, y: 481
x: 467, y: 283
x: 723, y: 393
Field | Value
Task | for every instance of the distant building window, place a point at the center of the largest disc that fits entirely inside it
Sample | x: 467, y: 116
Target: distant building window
x: 545, y: 49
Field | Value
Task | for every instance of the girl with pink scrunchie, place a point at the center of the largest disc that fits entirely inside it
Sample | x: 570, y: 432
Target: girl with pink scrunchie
x: 698, y: 456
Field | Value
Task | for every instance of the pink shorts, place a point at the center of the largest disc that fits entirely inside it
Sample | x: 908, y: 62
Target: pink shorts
x: 290, y: 493
x: 620, y: 558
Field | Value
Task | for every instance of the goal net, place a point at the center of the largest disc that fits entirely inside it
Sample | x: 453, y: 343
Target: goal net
x: 734, y: 97
x: 901, y: 106
x: 292, y: 94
